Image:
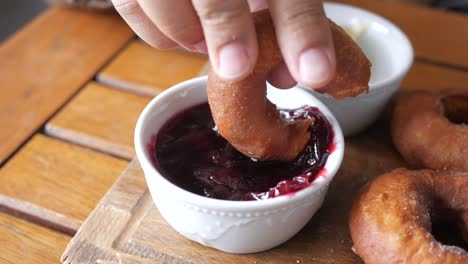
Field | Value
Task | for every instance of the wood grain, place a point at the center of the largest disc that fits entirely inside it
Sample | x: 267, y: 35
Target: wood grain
x: 47, y: 62
x: 131, y: 189
x: 60, y: 177
x: 23, y: 242
x: 149, y: 71
x: 135, y: 232
x: 39, y: 215
x: 422, y: 75
x: 426, y: 76
x: 436, y: 35
x: 101, y: 118
x: 325, y: 239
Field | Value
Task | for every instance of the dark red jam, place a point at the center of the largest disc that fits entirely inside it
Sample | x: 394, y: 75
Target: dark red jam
x: 190, y: 153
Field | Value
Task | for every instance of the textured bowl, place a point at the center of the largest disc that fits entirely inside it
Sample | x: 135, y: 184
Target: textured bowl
x: 231, y: 226
x: 391, y: 55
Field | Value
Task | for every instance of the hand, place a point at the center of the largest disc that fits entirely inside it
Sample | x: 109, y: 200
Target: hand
x: 225, y: 29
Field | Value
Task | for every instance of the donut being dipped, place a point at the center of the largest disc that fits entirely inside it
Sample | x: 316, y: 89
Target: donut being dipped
x: 391, y: 219
x: 430, y: 129
x: 251, y: 123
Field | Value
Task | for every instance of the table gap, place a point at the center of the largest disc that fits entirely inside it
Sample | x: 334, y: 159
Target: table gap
x: 64, y: 103
x: 84, y: 145
x: 441, y: 64
x: 41, y: 217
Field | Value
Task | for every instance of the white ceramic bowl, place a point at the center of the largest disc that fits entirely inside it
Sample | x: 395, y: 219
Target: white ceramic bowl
x: 231, y: 226
x: 391, y: 55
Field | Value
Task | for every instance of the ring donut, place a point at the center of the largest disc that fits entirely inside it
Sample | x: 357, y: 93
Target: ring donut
x: 251, y: 123
x: 430, y: 131
x: 390, y: 221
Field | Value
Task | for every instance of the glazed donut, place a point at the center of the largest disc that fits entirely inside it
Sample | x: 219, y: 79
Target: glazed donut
x: 390, y: 221
x: 428, y: 129
x: 251, y: 123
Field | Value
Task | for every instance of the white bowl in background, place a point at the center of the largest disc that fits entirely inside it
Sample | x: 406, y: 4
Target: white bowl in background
x: 391, y: 54
x: 231, y: 226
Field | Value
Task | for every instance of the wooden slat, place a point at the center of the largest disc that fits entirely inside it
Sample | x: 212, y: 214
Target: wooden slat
x: 39, y: 215
x: 47, y: 62
x: 429, y: 76
x: 444, y: 42
x: 23, y: 242
x: 101, y: 118
x: 437, y: 35
x: 426, y: 76
x: 148, y: 71
x: 66, y: 180
x: 132, y: 190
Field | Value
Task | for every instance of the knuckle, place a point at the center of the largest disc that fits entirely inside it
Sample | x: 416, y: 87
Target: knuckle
x: 220, y: 14
x: 161, y: 44
x: 157, y: 40
x: 307, y: 23
x: 301, y: 14
x: 126, y: 7
x: 132, y: 13
x: 186, y: 33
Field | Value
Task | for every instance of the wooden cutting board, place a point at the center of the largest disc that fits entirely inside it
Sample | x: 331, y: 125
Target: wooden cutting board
x: 126, y: 227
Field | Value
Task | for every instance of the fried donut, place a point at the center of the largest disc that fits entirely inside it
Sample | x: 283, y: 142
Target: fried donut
x: 251, y: 123
x: 390, y: 221
x: 430, y: 131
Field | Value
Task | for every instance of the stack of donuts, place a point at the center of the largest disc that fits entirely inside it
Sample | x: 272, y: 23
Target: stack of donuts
x: 392, y: 217
x: 390, y: 221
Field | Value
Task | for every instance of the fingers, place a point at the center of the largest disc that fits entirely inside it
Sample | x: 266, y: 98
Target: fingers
x: 230, y: 36
x: 305, y: 40
x: 177, y: 20
x: 280, y: 77
x: 225, y: 28
x: 256, y: 5
x: 139, y: 22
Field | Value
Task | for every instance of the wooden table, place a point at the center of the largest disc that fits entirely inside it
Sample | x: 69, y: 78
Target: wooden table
x: 73, y: 84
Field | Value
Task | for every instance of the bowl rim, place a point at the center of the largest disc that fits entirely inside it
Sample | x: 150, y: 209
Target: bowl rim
x: 217, y: 204
x: 403, y: 38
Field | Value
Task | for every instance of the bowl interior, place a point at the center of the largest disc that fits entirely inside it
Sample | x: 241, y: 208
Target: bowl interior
x: 386, y: 46
x: 193, y: 92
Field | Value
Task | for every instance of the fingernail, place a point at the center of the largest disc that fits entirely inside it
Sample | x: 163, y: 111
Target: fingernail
x: 233, y: 61
x: 200, y: 47
x: 314, y: 66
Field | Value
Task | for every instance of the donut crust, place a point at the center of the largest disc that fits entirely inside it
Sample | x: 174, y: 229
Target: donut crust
x: 390, y: 221
x: 251, y: 123
x: 423, y: 134
x: 353, y: 69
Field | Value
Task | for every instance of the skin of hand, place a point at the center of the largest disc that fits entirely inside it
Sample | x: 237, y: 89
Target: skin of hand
x: 224, y: 29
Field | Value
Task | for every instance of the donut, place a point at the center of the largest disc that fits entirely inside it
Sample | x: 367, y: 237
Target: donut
x: 390, y: 221
x: 430, y: 130
x: 251, y: 123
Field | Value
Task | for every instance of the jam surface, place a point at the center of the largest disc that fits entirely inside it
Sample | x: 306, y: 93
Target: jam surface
x: 190, y: 153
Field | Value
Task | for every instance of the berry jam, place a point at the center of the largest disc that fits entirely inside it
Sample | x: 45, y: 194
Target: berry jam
x: 190, y: 153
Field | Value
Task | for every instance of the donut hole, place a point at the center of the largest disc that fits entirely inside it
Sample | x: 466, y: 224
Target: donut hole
x: 446, y: 228
x: 456, y: 108
x: 448, y: 234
